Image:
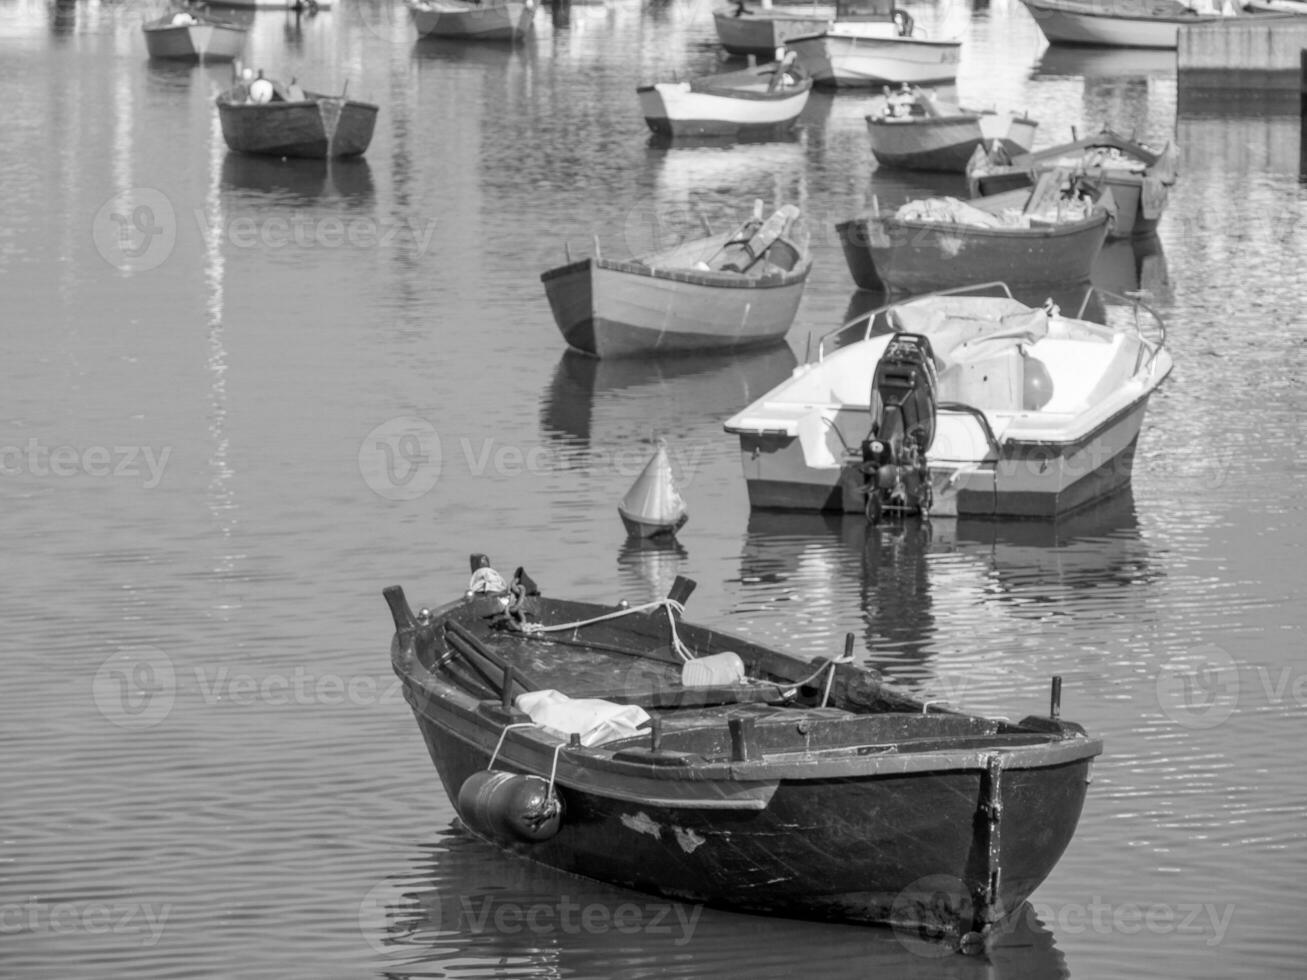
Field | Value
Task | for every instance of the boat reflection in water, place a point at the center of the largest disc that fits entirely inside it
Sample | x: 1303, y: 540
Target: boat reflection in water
x: 647, y: 567
x: 909, y: 586
x: 1068, y: 60
x: 299, y: 179
x: 689, y: 395
x: 467, y: 910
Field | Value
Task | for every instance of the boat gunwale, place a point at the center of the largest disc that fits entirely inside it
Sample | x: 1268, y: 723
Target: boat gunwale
x: 728, y: 280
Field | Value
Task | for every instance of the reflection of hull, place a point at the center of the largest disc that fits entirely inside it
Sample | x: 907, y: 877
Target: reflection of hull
x: 349, y: 178
x: 918, y: 256
x: 1113, y: 63
x: 850, y: 59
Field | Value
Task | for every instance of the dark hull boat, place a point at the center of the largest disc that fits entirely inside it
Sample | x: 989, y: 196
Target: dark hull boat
x: 186, y: 37
x: 705, y: 768
x: 310, y: 125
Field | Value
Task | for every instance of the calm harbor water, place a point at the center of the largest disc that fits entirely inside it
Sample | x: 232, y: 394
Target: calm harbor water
x: 241, y: 396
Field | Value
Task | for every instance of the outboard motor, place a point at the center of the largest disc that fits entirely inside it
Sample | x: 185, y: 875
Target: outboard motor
x: 902, y: 429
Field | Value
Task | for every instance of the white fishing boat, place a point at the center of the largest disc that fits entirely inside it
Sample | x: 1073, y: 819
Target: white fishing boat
x: 1123, y: 24
x: 873, y: 42
x: 494, y: 20
x: 653, y: 507
x: 755, y: 101
x: 760, y: 29
x: 957, y: 404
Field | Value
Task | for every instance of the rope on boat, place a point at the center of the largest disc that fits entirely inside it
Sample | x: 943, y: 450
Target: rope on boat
x: 671, y: 605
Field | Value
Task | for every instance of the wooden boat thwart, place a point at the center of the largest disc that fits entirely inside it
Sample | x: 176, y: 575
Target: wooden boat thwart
x: 916, y: 131
x: 264, y: 117
x: 628, y: 746
x: 1138, y: 24
x: 493, y: 20
x: 756, y: 101
x: 956, y: 404
x: 1019, y: 237
x: 1138, y: 177
x: 728, y: 291
x: 185, y: 36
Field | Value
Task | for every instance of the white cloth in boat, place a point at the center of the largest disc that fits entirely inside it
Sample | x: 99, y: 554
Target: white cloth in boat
x: 964, y: 333
x: 595, y: 720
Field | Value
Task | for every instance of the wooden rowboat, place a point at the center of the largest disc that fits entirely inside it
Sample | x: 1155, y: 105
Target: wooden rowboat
x: 265, y: 117
x: 915, y: 131
x: 760, y: 30
x: 1020, y: 237
x: 1139, y: 178
x: 494, y: 20
x: 757, y: 101
x: 185, y: 36
x: 625, y: 745
x: 723, y: 292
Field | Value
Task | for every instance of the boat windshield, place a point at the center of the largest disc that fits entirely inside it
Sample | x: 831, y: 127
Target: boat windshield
x: 845, y: 9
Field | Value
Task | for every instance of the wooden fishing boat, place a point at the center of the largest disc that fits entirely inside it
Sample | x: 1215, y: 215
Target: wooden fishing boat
x: 1138, y: 177
x: 728, y: 291
x: 916, y: 131
x: 493, y: 20
x: 874, y: 42
x: 653, y: 506
x: 757, y: 101
x: 265, y: 117
x: 1122, y: 24
x: 625, y: 745
x: 760, y: 29
x: 185, y: 36
x: 955, y: 404
x: 1019, y: 237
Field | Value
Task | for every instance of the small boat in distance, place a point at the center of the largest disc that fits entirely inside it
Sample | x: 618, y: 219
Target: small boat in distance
x: 653, y: 507
x: 1139, y: 24
x: 1140, y: 178
x: 263, y: 116
x: 623, y: 744
x: 753, y: 102
x: 916, y: 131
x: 493, y: 20
x: 957, y: 404
x: 726, y: 291
x: 874, y: 42
x: 1048, y: 235
x: 186, y: 36
x: 759, y: 30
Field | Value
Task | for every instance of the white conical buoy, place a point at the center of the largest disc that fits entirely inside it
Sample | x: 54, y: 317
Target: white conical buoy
x: 653, y: 506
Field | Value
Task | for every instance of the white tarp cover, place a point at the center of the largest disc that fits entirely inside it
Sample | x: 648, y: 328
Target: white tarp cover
x: 595, y: 720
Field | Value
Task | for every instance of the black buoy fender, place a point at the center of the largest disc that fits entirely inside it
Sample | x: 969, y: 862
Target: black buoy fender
x: 507, y: 806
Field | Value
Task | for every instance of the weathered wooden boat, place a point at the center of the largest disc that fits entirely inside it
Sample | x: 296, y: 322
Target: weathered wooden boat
x: 1018, y: 237
x: 728, y: 291
x: 916, y: 131
x: 756, y: 101
x: 759, y: 30
x: 1138, y: 177
x: 263, y: 116
x: 653, y: 506
x: 957, y: 404
x: 1124, y: 24
x: 493, y: 20
x: 874, y: 42
x: 625, y: 745
x: 186, y: 36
